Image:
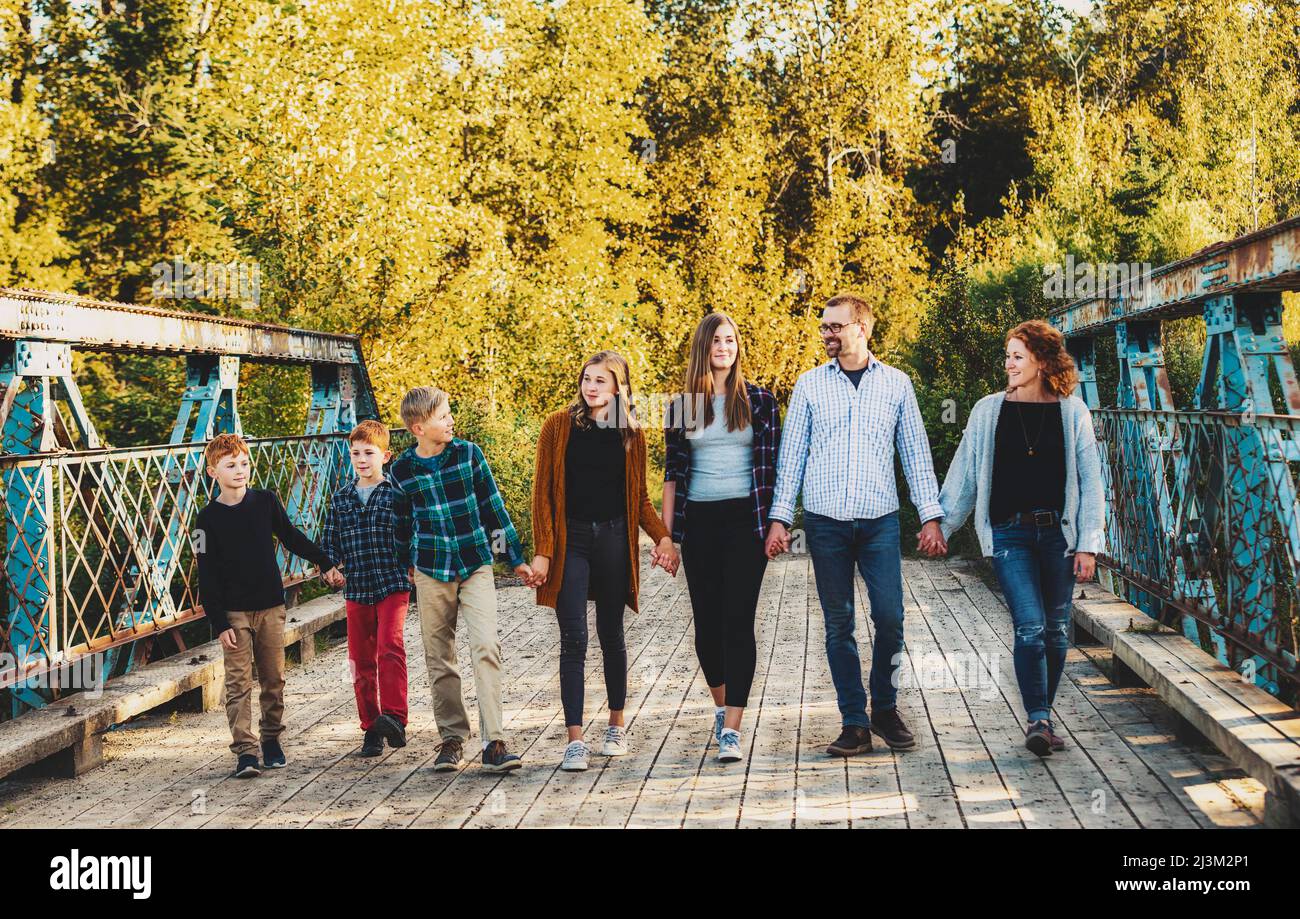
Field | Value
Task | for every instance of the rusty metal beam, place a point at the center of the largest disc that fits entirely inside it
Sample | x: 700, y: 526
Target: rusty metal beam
x: 36, y: 315
x: 1266, y: 260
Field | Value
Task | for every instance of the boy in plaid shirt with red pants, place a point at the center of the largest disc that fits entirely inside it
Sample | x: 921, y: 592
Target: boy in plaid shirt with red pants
x: 359, y: 532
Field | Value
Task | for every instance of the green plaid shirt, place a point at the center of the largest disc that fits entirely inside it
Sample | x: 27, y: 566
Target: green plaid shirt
x: 449, y: 514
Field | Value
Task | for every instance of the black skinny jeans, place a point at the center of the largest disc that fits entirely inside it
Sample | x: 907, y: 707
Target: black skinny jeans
x: 724, y: 562
x: 595, y: 559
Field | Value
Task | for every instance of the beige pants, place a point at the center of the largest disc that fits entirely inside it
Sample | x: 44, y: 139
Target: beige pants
x: 439, y: 603
x: 260, y: 639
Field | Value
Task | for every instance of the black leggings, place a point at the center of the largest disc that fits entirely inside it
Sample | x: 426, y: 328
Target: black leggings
x: 595, y: 561
x: 724, y: 562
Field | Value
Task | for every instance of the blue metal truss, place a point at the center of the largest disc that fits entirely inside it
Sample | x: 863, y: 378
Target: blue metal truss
x: 36, y: 372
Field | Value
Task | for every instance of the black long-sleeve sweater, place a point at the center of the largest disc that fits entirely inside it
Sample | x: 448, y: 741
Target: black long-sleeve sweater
x: 236, y: 552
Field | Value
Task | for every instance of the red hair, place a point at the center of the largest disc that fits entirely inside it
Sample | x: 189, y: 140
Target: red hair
x: 1047, y: 345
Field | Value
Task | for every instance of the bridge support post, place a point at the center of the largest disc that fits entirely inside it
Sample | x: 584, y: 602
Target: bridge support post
x: 31, y: 375
x: 1244, y: 342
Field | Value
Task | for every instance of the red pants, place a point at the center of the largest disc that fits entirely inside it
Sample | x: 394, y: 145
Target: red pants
x: 377, y: 655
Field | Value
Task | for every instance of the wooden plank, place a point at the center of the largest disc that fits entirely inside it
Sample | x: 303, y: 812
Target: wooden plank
x: 41, y: 733
x: 713, y: 796
x: 768, y: 797
x: 924, y: 785
x: 822, y: 795
x: 1040, y: 800
x: 1257, y: 737
x: 541, y: 732
x: 1146, y: 769
x: 657, y: 684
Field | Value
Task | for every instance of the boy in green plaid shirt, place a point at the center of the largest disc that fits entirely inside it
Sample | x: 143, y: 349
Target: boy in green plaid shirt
x: 449, y: 515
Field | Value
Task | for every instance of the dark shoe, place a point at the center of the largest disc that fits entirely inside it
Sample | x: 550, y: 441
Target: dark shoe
x: 852, y: 741
x: 449, y: 755
x: 496, y: 759
x: 373, y: 745
x: 247, y: 767
x: 391, y: 730
x: 1058, y: 743
x: 273, y: 755
x: 889, y: 727
x: 1038, y: 739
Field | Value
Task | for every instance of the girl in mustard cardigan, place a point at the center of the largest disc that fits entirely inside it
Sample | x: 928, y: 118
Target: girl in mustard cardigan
x: 589, y: 497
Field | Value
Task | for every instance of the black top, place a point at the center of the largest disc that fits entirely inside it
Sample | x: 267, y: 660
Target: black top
x: 854, y: 375
x: 237, y: 566
x: 594, y: 474
x: 1024, y: 483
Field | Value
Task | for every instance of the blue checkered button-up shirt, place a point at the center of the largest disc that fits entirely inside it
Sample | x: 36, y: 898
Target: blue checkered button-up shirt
x: 360, y: 536
x: 838, y: 444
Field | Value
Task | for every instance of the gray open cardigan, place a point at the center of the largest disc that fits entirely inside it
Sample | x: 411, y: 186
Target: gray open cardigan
x: 969, y: 481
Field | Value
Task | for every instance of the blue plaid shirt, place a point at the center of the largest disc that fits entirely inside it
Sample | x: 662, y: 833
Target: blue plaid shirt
x: 766, y: 423
x: 450, y: 514
x: 839, y: 442
x: 361, y: 537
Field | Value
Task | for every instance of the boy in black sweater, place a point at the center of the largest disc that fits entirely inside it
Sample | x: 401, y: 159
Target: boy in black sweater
x: 243, y: 595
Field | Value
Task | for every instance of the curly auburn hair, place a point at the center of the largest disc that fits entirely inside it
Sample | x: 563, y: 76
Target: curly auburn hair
x: 1047, y: 345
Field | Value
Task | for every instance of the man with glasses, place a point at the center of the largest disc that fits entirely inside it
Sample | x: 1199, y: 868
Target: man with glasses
x: 845, y: 421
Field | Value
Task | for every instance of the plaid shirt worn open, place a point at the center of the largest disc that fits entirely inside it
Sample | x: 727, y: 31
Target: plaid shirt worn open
x: 839, y: 442
x: 361, y: 537
x: 448, y: 515
x: 766, y: 422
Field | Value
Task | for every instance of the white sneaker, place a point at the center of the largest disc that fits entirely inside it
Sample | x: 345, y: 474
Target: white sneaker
x: 729, y: 746
x: 718, y: 718
x: 615, y: 741
x: 575, y: 757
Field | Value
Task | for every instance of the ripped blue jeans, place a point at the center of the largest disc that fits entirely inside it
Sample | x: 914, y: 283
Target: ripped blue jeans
x: 1037, y: 578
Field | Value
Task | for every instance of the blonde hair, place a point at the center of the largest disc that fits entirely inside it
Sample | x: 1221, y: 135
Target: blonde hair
x: 420, y: 403
x: 224, y: 445
x: 370, y: 432
x: 622, y: 407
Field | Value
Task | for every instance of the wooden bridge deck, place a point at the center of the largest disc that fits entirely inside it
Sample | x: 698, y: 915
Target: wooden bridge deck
x: 1124, y: 767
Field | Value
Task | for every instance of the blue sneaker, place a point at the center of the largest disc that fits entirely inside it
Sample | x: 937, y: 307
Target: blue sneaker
x: 273, y: 755
x: 246, y: 767
x: 729, y: 746
x: 718, y: 718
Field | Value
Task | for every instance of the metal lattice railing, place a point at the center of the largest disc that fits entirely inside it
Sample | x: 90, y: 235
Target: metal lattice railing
x: 1203, y: 520
x: 101, y: 553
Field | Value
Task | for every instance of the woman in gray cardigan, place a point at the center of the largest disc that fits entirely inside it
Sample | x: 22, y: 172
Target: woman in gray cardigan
x: 1029, y: 467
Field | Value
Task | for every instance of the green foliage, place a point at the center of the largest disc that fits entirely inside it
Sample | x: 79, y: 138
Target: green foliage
x: 489, y: 191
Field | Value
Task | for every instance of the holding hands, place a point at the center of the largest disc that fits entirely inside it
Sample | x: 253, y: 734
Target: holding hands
x: 778, y: 539
x: 930, y: 540
x: 527, y: 575
x: 334, y: 578
x: 666, y: 556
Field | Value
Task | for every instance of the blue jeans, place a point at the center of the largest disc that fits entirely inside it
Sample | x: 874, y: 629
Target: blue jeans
x: 872, y: 545
x: 1037, y: 579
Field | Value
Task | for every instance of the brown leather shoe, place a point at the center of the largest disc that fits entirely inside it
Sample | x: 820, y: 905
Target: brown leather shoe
x: 449, y: 755
x: 1057, y: 742
x: 852, y: 741
x: 888, y: 725
x: 1038, y: 739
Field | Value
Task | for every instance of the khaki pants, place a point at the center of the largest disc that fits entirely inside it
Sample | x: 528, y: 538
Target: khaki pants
x: 439, y: 603
x: 260, y: 637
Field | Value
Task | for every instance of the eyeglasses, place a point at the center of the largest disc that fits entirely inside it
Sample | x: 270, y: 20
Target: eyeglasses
x: 834, y: 328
